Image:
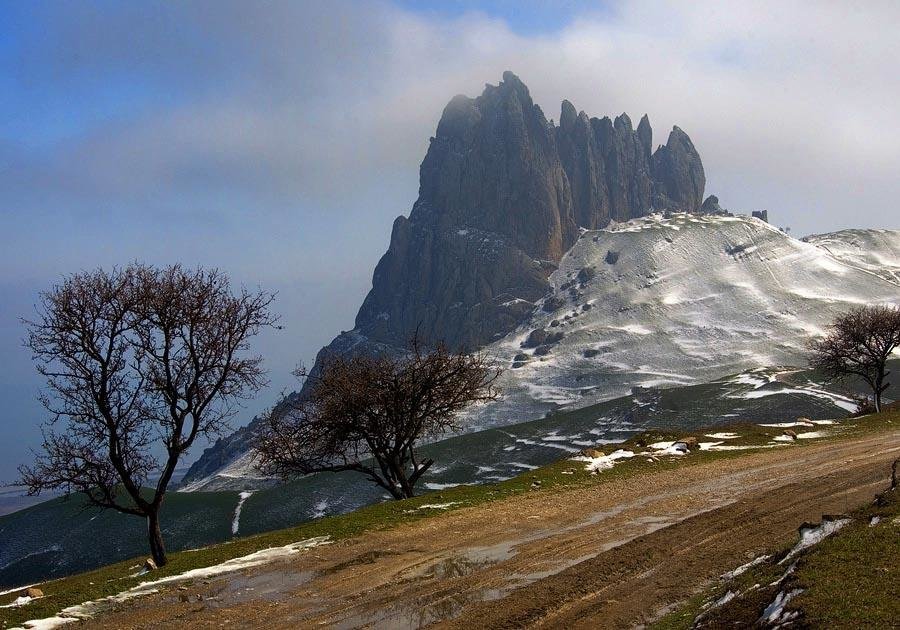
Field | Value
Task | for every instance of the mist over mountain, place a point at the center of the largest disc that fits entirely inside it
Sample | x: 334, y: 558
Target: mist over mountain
x: 505, y: 195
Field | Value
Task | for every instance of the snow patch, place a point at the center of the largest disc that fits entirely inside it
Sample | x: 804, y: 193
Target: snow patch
x: 786, y: 425
x: 810, y: 536
x: 320, y: 509
x: 434, y: 506
x: 264, y: 556
x: 432, y: 485
x: 605, y: 462
x: 774, y: 613
x: 744, y: 567
x: 784, y: 438
x: 236, y: 521
x: 670, y: 448
x: 19, y: 601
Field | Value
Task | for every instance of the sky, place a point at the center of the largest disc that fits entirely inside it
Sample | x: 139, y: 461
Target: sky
x: 278, y: 140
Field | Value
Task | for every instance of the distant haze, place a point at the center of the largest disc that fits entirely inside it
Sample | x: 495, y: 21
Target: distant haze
x: 278, y: 140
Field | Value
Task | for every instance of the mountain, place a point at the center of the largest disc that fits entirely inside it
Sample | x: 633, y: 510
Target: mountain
x: 505, y: 195
x: 502, y: 195
x: 683, y: 299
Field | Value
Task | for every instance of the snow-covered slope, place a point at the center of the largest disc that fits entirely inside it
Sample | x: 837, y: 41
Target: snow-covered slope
x: 875, y: 251
x: 685, y: 299
x: 666, y: 301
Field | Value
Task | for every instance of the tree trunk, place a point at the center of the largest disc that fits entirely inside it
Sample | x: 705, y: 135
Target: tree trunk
x: 154, y: 535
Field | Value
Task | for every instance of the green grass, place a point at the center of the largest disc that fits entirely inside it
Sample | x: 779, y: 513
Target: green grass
x: 849, y: 580
x: 560, y: 475
x: 852, y: 580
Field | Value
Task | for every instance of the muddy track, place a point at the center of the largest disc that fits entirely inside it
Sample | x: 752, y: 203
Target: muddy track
x: 612, y: 555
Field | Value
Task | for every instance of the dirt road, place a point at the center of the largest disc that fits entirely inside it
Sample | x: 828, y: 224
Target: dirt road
x: 608, y: 556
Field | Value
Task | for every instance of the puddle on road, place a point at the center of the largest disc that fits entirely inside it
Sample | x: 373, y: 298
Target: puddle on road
x: 418, y: 614
x: 266, y: 586
x: 421, y: 612
x: 472, y: 560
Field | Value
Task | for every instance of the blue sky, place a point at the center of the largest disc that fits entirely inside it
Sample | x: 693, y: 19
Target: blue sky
x: 278, y: 140
x: 534, y: 17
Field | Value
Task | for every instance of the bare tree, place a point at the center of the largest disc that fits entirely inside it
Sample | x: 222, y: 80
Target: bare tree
x: 138, y: 361
x: 368, y: 414
x: 859, y: 343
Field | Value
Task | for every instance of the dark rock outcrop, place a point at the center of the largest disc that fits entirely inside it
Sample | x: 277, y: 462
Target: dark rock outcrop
x: 502, y: 195
x: 678, y: 177
x: 711, y: 206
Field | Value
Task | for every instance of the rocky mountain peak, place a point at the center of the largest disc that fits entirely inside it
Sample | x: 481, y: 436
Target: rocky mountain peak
x: 567, y: 115
x: 503, y: 194
x: 645, y: 135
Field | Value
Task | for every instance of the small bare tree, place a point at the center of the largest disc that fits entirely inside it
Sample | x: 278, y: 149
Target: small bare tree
x: 368, y: 414
x: 139, y: 361
x: 859, y: 343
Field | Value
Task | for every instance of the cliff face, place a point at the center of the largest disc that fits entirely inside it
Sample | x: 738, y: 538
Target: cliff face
x: 494, y: 214
x: 503, y: 194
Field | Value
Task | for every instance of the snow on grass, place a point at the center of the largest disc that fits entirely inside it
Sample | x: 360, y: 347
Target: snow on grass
x: 784, y: 438
x: 19, y: 601
x: 236, y: 521
x: 320, y: 509
x: 522, y: 465
x: 774, y: 613
x: 744, y: 567
x: 670, y: 448
x: 605, y: 462
x: 554, y: 437
x: 836, y: 399
x: 48, y: 623
x: 810, y: 536
x: 755, y: 379
x: 706, y: 446
x: 257, y: 558
x: 722, y: 436
x: 786, y: 425
x: 431, y: 485
x: 811, y: 435
x: 433, y: 506
x: 551, y: 394
x: 561, y: 447
x: 727, y: 597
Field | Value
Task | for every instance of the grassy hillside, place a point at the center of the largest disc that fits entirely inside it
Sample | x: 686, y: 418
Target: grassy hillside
x: 557, y: 476
x: 58, y: 537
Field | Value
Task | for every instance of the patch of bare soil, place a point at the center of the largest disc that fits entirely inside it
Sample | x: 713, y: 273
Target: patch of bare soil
x: 612, y: 555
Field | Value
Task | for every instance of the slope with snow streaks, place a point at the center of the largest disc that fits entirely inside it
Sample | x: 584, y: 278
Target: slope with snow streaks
x: 876, y: 251
x: 682, y: 299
